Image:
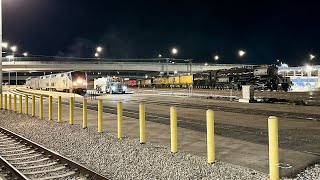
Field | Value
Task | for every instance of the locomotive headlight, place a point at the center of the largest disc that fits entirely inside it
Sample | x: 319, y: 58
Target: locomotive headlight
x: 79, y: 81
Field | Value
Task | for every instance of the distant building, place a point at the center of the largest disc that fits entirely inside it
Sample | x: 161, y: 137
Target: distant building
x: 303, y: 77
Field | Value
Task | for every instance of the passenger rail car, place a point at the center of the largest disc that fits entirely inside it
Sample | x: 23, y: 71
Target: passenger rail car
x: 74, y: 81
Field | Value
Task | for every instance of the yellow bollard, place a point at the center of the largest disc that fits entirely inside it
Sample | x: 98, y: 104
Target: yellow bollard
x: 210, y: 137
x: 273, y: 148
x: 20, y: 104
x: 84, y: 118
x: 5, y: 101
x: 100, y: 109
x: 27, y: 104
x: 173, y: 124
x: 33, y: 106
x: 142, y: 117
x: 1, y: 101
x: 71, y: 111
x: 10, y: 101
x: 15, y: 103
x: 50, y: 107
x: 41, y: 107
x: 120, y: 120
x: 59, y: 110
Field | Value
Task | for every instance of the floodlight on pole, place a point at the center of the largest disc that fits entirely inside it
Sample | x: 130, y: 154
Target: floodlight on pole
x: 174, y: 51
x: 241, y: 53
x: 99, y: 49
x: 312, y: 56
x: 96, y: 55
x: 14, y: 49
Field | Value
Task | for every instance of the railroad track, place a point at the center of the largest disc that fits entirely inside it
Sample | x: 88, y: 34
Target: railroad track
x: 294, y: 139
x: 24, y: 159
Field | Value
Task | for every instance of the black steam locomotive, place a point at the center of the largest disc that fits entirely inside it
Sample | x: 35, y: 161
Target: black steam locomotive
x: 260, y: 77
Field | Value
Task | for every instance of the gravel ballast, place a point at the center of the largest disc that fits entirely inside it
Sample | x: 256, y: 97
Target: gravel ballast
x: 126, y: 158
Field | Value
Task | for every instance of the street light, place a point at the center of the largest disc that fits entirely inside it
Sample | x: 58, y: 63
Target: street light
x: 13, y: 49
x: 25, y: 54
x: 96, y: 55
x: 216, y: 57
x: 312, y: 56
x: 174, y: 51
x: 99, y: 49
x: 241, y: 53
x: 159, y: 55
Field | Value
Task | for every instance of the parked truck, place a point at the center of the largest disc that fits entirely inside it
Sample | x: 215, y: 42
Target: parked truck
x: 109, y: 85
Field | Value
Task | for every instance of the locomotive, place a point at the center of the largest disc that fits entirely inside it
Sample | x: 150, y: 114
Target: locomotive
x: 260, y: 77
x: 73, y: 81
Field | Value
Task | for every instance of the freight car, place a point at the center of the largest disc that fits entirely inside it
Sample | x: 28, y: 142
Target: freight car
x: 73, y: 81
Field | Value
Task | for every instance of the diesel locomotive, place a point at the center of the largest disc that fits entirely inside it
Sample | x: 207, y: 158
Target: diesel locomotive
x: 73, y: 81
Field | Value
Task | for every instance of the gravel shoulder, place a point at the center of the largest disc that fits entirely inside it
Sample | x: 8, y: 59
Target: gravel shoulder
x: 126, y: 158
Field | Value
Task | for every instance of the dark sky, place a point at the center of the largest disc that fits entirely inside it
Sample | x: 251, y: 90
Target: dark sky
x: 266, y: 30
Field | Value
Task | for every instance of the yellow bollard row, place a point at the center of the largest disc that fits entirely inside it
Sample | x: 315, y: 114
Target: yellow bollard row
x: 210, y: 137
x: 20, y: 104
x: 100, y: 110
x: 59, y: 110
x: 1, y: 101
x: 84, y: 117
x: 15, y: 103
x: 40, y: 107
x: 33, y: 106
x: 119, y: 113
x: 50, y: 108
x: 71, y: 106
x: 10, y: 102
x: 5, y: 101
x: 142, y: 122
x: 273, y: 148
x: 173, y: 125
x: 26, y: 104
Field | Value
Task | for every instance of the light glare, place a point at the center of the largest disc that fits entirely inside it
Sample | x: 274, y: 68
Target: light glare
x: 241, y: 53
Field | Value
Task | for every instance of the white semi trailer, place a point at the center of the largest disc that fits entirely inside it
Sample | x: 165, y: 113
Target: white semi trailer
x: 109, y: 85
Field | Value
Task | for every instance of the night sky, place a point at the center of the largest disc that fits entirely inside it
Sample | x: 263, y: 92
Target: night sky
x: 266, y: 30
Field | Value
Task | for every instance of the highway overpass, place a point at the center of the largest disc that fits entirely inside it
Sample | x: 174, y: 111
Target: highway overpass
x: 140, y: 65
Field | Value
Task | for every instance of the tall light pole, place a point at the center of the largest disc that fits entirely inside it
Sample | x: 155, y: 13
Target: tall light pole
x: 241, y: 53
x: 216, y: 57
x: 174, y: 51
x: 312, y: 56
x: 99, y: 49
x: 1, y: 46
